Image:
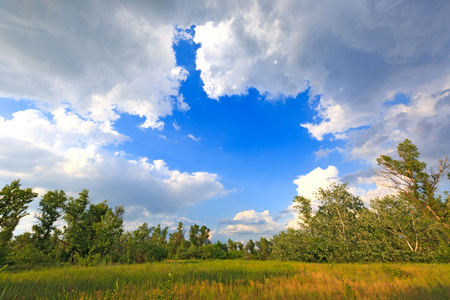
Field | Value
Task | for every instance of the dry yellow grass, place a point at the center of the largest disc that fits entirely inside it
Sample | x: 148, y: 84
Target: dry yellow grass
x: 232, y: 280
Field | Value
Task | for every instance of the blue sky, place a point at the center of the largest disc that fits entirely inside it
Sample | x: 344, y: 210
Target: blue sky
x: 217, y: 114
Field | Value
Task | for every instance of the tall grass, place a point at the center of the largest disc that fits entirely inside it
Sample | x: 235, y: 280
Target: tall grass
x: 231, y: 280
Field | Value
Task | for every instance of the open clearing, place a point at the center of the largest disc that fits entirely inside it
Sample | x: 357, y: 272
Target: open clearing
x: 227, y: 279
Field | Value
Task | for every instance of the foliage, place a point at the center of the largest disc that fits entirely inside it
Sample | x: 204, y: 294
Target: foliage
x: 176, y: 242
x: 408, y: 177
x: 409, y: 228
x: 50, y: 211
x: 336, y: 229
x: 141, y: 247
x: 342, y: 229
x: 167, y: 290
x: 13, y: 205
x: 25, y: 252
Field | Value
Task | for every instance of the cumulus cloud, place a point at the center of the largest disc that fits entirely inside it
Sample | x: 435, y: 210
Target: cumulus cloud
x: 308, y: 184
x: 250, y: 222
x: 361, y: 183
x: 107, y: 59
x: 104, y: 59
x: 354, y: 55
x: 65, y: 151
x: 317, y: 178
x: 423, y: 120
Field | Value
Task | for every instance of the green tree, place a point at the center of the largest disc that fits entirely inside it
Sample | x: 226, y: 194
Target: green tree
x: 159, y: 235
x: 295, y: 245
x: 264, y: 248
x: 141, y: 247
x: 220, y: 250
x: 207, y: 251
x: 50, y: 211
x: 107, y: 234
x: 337, y: 226
x: 407, y: 228
x: 176, y: 242
x: 25, y: 252
x: 408, y: 177
x: 194, y: 235
x: 250, y: 248
x: 84, y: 224
x: 233, y: 251
x: 13, y: 205
x: 199, y: 236
x: 75, y: 237
x: 204, y: 236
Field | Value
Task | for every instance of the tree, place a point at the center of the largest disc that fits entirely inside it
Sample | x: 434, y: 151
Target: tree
x: 338, y: 210
x: 233, y: 251
x: 142, y: 247
x: 194, y: 234
x: 250, y: 247
x: 25, y: 252
x: 409, y: 178
x: 85, y: 225
x: 199, y: 236
x: 13, y: 205
x: 264, y: 248
x: 107, y: 234
x: 204, y: 236
x: 50, y: 210
x: 176, y: 241
x: 294, y: 244
x: 75, y: 237
x: 337, y: 226
x: 159, y: 235
x: 407, y: 227
x: 220, y: 250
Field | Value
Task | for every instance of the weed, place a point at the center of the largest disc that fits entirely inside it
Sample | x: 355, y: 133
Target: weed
x: 349, y: 293
x: 167, y: 289
x: 2, y: 269
x: 394, y: 272
x: 114, y: 293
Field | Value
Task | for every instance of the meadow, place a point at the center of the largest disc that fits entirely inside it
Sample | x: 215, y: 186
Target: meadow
x: 230, y: 279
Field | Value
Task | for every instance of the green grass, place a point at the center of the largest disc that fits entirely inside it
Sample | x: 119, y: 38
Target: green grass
x: 230, y: 280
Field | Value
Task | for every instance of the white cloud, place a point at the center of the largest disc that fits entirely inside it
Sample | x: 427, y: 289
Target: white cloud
x: 424, y: 121
x: 251, y: 222
x: 197, y: 139
x: 255, y: 54
x: 361, y: 183
x: 103, y: 59
x: 176, y: 126
x: 308, y: 184
x: 354, y: 54
x: 317, y: 178
x: 67, y: 152
x: 321, y: 153
x: 107, y: 59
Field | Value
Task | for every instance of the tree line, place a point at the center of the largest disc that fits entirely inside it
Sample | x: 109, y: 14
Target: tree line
x: 410, y: 225
x: 94, y: 233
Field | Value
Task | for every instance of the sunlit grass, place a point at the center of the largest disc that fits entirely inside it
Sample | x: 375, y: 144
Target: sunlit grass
x: 232, y: 280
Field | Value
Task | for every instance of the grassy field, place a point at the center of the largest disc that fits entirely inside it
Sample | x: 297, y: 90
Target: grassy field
x: 230, y: 280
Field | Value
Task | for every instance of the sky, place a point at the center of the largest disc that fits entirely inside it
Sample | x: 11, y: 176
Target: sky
x: 217, y: 113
